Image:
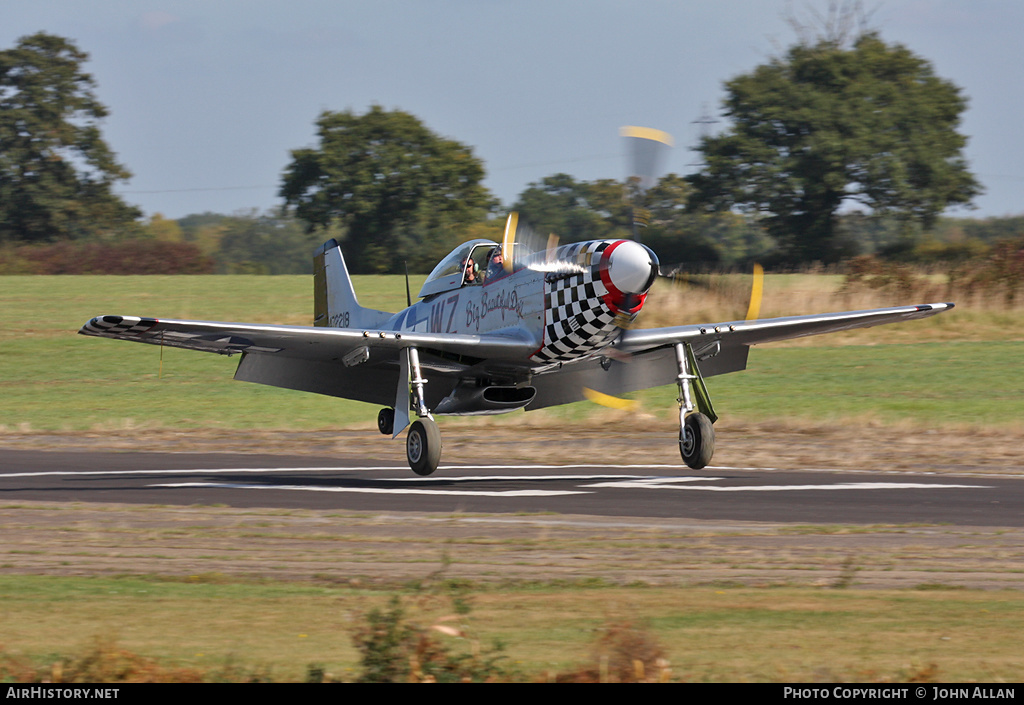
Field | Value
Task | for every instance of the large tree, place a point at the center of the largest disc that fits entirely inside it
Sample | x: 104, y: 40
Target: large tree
x: 56, y: 172
x: 834, y: 122
x: 575, y: 210
x: 390, y: 183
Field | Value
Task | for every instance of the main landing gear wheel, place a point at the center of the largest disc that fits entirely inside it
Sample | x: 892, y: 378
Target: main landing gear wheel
x: 386, y: 421
x: 697, y: 441
x: 423, y: 446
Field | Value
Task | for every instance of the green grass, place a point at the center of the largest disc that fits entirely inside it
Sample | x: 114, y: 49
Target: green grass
x: 929, y: 384
x: 708, y: 633
x: 52, y: 379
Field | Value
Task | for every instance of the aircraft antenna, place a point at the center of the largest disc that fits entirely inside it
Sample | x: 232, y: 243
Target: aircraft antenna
x: 408, y: 294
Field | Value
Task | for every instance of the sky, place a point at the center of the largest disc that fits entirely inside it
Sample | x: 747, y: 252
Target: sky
x: 207, y: 99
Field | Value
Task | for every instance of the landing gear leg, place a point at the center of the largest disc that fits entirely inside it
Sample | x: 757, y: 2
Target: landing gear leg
x: 423, y: 442
x: 696, y: 433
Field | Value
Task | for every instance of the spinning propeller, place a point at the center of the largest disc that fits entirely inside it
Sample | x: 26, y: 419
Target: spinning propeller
x: 647, y: 150
x: 627, y: 266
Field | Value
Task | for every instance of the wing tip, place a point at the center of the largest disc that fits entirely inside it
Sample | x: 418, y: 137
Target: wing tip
x: 935, y: 307
x: 111, y: 326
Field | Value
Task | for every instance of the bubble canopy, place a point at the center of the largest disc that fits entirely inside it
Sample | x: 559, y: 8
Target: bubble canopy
x: 449, y: 272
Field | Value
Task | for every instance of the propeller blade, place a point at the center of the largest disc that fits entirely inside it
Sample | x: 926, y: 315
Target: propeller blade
x: 755, y: 293
x: 553, y: 241
x: 647, y: 150
x: 610, y: 401
x: 508, y: 240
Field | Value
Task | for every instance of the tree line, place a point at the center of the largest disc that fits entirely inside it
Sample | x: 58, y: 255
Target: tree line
x: 842, y: 146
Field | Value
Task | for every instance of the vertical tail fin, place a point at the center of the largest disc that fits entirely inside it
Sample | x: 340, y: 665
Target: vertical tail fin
x: 334, y: 299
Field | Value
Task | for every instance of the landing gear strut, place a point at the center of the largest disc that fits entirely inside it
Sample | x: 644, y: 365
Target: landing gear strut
x: 696, y: 433
x: 423, y: 442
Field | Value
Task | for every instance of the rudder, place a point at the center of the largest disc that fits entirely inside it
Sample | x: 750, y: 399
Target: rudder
x: 334, y: 299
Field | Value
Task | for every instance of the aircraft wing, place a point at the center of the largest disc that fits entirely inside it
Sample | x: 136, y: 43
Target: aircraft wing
x: 363, y: 365
x: 341, y: 362
x: 643, y: 358
x: 770, y: 330
x: 302, y: 342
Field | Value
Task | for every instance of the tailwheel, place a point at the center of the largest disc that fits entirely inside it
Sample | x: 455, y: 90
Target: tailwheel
x: 423, y: 446
x: 386, y: 421
x: 697, y: 440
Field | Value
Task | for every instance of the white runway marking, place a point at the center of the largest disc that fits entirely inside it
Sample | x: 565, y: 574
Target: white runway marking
x: 186, y: 471
x: 378, y: 490
x: 656, y: 484
x: 321, y: 468
x: 406, y: 485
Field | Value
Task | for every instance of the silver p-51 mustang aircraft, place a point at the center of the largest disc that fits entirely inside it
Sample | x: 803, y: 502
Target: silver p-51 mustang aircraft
x: 491, y: 335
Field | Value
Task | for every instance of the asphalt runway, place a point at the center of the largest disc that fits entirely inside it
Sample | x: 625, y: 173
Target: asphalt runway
x: 745, y: 494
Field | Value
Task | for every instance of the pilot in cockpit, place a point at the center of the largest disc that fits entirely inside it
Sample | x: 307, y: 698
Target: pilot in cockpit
x: 470, y: 277
x: 496, y: 264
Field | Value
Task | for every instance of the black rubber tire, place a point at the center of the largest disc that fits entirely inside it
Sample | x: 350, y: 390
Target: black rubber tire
x: 386, y: 421
x: 423, y: 446
x: 697, y: 441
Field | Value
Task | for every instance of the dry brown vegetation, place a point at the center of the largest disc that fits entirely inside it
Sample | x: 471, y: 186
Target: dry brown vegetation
x: 102, y: 661
x: 864, y: 283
